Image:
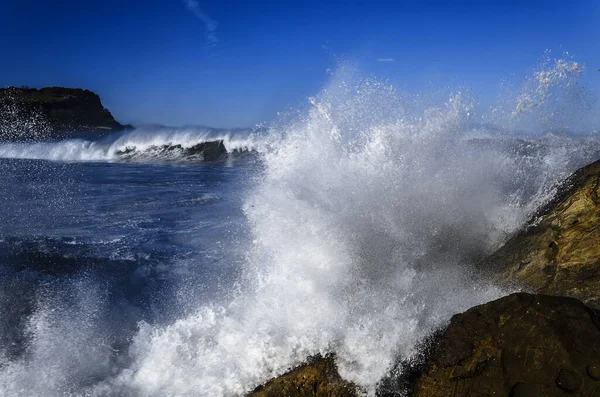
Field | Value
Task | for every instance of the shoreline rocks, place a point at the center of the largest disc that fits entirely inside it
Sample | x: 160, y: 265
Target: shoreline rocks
x: 560, y: 253
x: 519, y: 345
x: 547, y: 344
x: 319, y: 377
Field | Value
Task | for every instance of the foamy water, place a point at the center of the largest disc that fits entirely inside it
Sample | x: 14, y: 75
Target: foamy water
x: 146, y: 143
x: 364, y: 219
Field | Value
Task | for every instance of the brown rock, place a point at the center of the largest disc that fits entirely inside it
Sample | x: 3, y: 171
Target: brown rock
x: 593, y: 371
x: 522, y: 389
x: 520, y: 345
x: 316, y: 378
x: 559, y: 252
x: 568, y: 380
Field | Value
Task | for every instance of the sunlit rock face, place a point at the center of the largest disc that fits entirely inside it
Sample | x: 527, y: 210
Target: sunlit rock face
x: 559, y: 253
x: 317, y: 378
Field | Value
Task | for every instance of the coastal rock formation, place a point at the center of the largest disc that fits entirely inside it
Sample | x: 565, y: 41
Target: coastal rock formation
x: 318, y: 378
x: 51, y: 113
x: 560, y: 254
x: 520, y: 345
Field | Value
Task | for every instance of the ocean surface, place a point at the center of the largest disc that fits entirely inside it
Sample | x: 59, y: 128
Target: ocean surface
x: 130, y: 265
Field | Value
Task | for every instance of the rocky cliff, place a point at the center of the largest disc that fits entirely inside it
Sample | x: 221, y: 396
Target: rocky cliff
x: 51, y: 113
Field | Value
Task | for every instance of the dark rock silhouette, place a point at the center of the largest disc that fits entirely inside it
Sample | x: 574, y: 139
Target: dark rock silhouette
x: 52, y: 113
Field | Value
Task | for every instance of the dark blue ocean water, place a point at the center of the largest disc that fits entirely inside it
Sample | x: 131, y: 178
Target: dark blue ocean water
x: 137, y: 233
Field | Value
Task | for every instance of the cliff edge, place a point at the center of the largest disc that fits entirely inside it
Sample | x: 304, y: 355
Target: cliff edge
x: 52, y: 113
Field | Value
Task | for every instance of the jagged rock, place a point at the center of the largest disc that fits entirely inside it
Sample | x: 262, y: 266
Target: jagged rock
x: 520, y: 345
x: 53, y: 112
x: 319, y: 377
x: 560, y: 254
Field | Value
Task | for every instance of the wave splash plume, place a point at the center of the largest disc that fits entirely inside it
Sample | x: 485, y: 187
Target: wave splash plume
x: 366, y: 221
x: 364, y: 226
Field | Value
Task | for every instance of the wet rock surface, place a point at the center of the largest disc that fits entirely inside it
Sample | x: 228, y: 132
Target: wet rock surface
x: 560, y: 253
x: 520, y: 345
x: 319, y: 377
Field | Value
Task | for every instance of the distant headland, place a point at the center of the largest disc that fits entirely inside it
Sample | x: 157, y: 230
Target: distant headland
x: 53, y: 113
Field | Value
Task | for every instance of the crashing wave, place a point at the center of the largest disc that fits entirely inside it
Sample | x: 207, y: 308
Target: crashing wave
x: 145, y: 144
x: 366, y: 223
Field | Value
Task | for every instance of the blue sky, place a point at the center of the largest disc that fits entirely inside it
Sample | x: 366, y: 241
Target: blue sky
x: 237, y: 63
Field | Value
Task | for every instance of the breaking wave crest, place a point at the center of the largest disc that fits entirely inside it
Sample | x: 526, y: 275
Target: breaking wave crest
x: 146, y: 144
